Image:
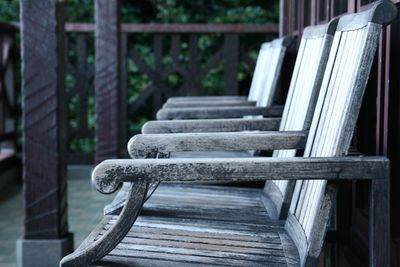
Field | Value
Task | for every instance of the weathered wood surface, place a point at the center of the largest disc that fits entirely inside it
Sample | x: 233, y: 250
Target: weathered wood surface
x: 211, y: 125
x: 115, y: 233
x: 142, y: 145
x: 177, y: 99
x: 43, y: 114
x: 302, y: 96
x: 107, y: 80
x: 158, y: 241
x: 337, y: 109
x: 208, y: 103
x: 218, y: 112
x: 108, y: 174
x: 193, y: 202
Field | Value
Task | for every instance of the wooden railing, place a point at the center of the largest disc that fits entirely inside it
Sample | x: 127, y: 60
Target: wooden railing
x: 9, y: 110
x: 158, y: 61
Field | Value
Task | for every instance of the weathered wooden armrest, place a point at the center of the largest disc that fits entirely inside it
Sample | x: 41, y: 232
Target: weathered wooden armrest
x: 205, y: 98
x: 142, y: 145
x: 218, y: 112
x: 210, y: 103
x: 211, y: 125
x: 108, y: 175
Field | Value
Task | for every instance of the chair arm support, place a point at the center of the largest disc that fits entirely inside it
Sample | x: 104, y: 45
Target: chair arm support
x: 204, y: 98
x: 210, y: 103
x: 142, y: 145
x: 108, y: 175
x: 211, y: 125
x: 218, y: 112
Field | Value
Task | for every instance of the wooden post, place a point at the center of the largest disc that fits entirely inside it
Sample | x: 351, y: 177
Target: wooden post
x: 107, y: 80
x: 44, y: 148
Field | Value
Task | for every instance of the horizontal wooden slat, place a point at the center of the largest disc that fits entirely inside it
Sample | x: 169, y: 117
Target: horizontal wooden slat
x: 218, y: 112
x: 211, y: 125
x: 155, y: 241
x: 143, y: 144
x: 181, y: 28
x: 206, y: 103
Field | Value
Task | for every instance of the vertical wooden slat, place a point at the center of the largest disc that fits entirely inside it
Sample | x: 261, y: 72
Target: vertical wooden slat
x: 124, y: 94
x: 195, y: 83
x: 43, y: 76
x: 81, y: 53
x: 107, y: 80
x: 231, y: 61
x: 158, y: 54
x: 2, y: 93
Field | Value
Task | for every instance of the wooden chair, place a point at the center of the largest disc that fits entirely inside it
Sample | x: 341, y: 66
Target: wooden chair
x: 262, y: 65
x: 252, y: 238
x: 271, y: 55
x: 307, y: 78
x: 263, y: 89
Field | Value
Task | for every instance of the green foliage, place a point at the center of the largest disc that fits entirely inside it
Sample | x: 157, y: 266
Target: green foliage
x: 9, y: 11
x: 160, y: 11
x: 216, y: 11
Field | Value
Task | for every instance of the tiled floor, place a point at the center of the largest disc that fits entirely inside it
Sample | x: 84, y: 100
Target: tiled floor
x: 85, y: 211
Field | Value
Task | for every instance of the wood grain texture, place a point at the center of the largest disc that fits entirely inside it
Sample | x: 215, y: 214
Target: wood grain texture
x: 107, y: 80
x: 211, y: 125
x: 94, y: 247
x: 143, y: 144
x: 218, y: 112
x: 333, y: 124
x: 110, y: 173
x: 209, y: 103
x: 44, y: 130
x: 174, y: 99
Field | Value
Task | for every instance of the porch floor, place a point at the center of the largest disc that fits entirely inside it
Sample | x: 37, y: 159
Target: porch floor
x: 82, y: 218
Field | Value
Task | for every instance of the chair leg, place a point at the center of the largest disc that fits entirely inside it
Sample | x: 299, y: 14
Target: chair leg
x: 379, y: 237
x: 93, y: 250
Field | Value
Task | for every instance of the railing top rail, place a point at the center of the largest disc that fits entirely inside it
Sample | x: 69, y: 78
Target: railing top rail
x: 181, y: 28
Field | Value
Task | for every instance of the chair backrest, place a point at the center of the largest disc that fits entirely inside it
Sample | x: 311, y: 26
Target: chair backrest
x: 335, y: 116
x: 267, y: 72
x: 306, y: 81
x: 261, y: 67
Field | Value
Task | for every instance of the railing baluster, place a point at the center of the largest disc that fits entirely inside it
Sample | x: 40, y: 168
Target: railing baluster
x: 158, y: 83
x: 231, y: 61
x: 124, y: 91
x: 195, y: 83
x: 81, y: 50
x: 192, y: 72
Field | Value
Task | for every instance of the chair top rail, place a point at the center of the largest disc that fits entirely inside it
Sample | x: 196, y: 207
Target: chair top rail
x: 380, y: 12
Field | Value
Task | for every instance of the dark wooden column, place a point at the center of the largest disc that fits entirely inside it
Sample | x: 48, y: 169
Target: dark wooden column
x: 44, y: 147
x: 107, y: 81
